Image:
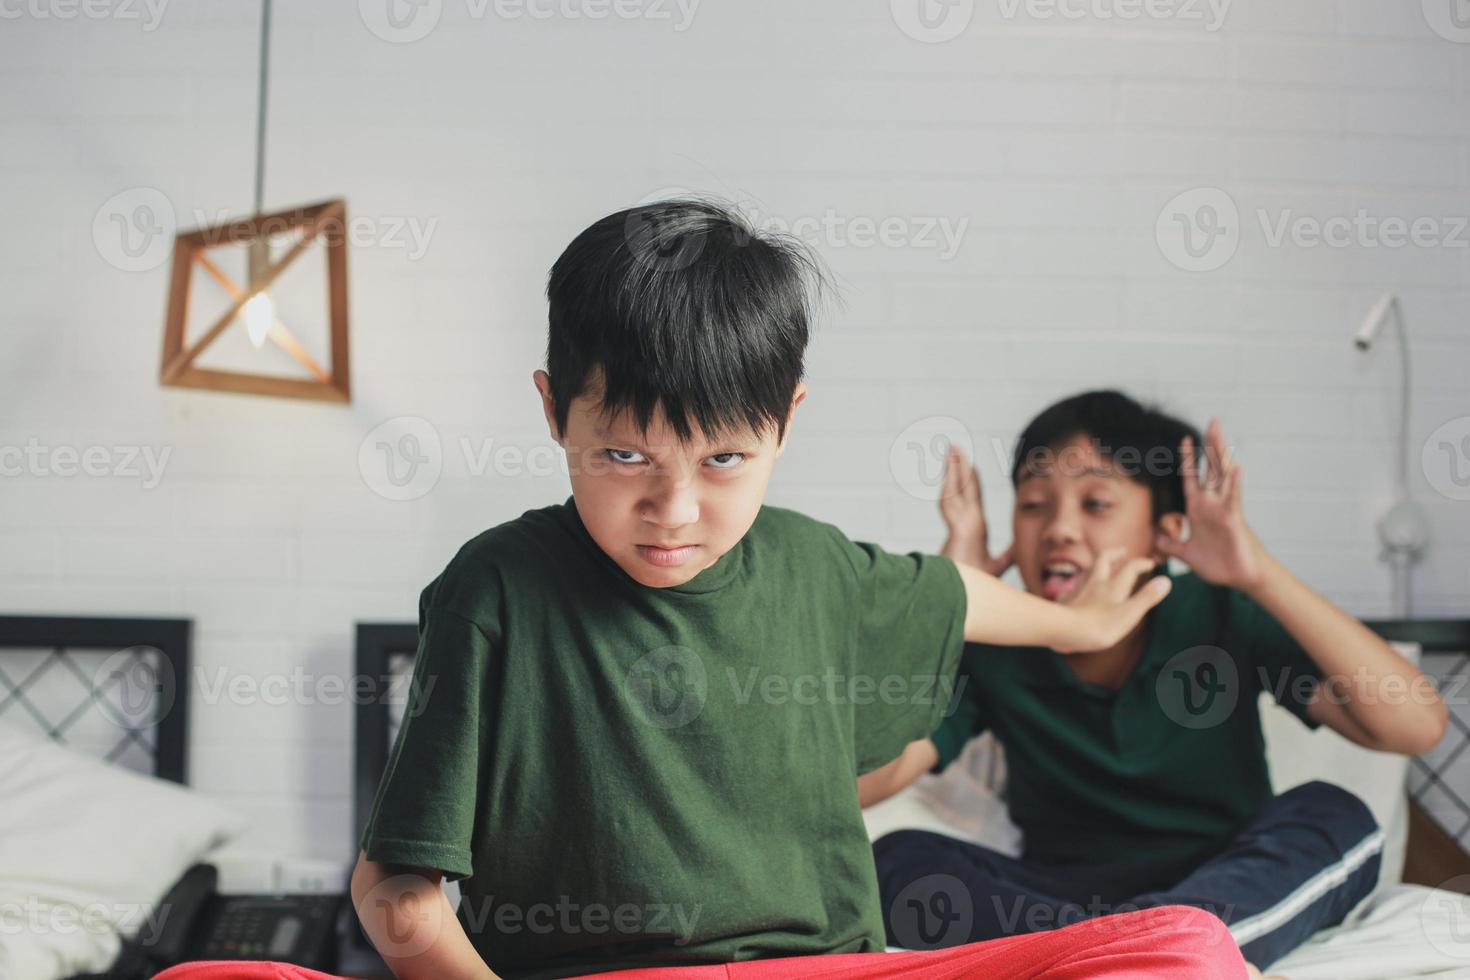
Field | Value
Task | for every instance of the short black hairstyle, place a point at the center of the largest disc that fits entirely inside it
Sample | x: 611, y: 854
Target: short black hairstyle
x: 682, y: 305
x: 1142, y: 441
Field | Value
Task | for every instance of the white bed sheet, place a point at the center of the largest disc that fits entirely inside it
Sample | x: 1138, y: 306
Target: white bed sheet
x: 1399, y: 932
x: 1402, y: 931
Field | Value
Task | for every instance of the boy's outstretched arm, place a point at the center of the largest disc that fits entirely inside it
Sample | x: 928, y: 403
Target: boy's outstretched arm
x: 407, y: 916
x: 1102, y: 610
x: 1370, y: 694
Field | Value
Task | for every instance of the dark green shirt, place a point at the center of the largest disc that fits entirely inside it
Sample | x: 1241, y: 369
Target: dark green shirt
x: 631, y: 776
x: 1164, y: 769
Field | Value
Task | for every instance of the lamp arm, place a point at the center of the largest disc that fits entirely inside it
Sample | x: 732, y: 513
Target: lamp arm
x: 1403, y: 335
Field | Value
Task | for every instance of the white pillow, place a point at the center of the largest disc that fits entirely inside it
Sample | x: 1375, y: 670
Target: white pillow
x: 87, y: 851
x: 966, y: 801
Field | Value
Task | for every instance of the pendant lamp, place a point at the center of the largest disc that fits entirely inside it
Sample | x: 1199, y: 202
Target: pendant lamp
x: 252, y: 308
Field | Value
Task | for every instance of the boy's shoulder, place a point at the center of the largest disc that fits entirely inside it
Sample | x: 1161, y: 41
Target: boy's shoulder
x: 517, y: 552
x: 1192, y: 593
x: 802, y: 540
x: 781, y: 521
x: 518, y: 541
x: 1200, y: 613
x: 1195, y: 606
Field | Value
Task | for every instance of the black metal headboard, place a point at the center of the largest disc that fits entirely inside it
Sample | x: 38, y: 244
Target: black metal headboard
x: 1446, y: 647
x: 118, y: 687
x: 1432, y: 635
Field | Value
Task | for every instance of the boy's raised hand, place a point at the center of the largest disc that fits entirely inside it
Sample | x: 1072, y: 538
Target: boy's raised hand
x: 1221, y: 548
x: 960, y: 506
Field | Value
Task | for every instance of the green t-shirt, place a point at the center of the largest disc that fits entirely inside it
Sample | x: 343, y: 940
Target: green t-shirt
x: 1166, y: 768
x: 629, y: 776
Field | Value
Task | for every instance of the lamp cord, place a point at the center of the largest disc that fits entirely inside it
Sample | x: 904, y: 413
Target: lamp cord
x: 265, y: 28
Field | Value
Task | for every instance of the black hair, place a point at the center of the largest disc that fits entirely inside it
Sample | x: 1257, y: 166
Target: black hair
x: 681, y: 305
x: 1142, y: 441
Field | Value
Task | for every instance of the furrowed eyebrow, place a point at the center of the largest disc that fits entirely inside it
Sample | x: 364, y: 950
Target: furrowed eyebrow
x: 741, y: 445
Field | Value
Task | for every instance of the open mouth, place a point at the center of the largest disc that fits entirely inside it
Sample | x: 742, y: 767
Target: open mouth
x: 1059, y: 577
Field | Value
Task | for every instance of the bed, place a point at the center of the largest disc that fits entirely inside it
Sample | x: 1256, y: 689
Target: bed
x: 96, y: 824
x: 59, y: 677
x: 1405, y: 929
x: 1408, y: 927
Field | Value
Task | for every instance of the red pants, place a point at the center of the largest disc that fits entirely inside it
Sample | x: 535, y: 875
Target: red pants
x: 1172, y: 942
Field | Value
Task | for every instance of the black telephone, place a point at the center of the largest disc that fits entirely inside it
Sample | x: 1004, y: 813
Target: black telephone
x: 200, y: 924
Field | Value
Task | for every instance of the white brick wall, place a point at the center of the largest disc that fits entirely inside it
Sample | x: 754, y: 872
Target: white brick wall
x: 1058, y: 140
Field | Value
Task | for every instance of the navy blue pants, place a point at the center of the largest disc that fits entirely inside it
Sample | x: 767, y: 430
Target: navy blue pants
x: 1300, y: 866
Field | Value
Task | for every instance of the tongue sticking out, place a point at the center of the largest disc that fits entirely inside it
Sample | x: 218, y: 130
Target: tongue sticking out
x: 1054, y: 585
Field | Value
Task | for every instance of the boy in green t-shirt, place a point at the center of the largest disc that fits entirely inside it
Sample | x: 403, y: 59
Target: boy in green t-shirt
x: 637, y: 716
x: 1137, y: 774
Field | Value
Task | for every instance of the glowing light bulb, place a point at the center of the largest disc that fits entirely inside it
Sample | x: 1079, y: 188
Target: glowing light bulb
x: 260, y: 314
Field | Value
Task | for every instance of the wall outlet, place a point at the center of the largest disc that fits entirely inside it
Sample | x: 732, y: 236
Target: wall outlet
x: 311, y: 876
x: 245, y: 874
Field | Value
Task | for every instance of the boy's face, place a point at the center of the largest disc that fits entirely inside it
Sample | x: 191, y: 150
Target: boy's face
x: 663, y: 511
x: 1071, y: 505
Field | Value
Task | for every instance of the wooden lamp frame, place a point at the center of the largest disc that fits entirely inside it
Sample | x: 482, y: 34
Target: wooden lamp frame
x: 326, y: 221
